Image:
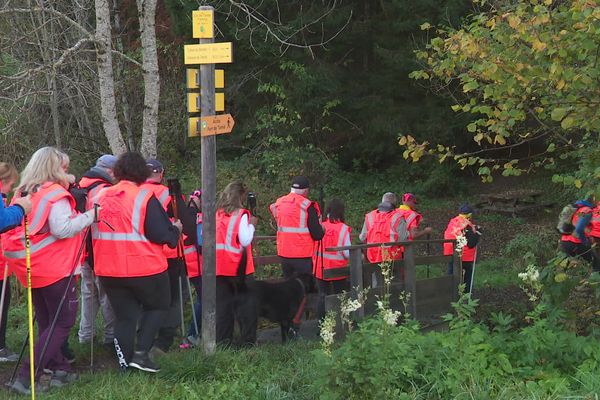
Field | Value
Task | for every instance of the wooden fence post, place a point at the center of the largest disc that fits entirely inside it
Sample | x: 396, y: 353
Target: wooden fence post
x: 410, y: 283
x: 356, y: 277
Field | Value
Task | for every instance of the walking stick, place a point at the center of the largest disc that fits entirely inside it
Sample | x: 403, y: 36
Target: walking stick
x: 62, y: 300
x: 32, y: 369
x: 473, y: 273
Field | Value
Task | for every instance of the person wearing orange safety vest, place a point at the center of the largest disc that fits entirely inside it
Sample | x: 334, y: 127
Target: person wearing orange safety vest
x: 412, y: 217
x: 12, y: 218
x: 193, y: 259
x: 298, y: 229
x: 93, y: 297
x: 128, y: 245
x: 54, y: 229
x: 461, y: 225
x: 595, y: 234
x: 578, y: 243
x: 337, y: 234
x: 382, y: 225
x: 234, y: 266
x: 176, y: 265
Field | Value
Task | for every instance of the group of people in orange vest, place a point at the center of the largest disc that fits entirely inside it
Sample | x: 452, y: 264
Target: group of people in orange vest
x: 134, y: 239
x: 583, y: 232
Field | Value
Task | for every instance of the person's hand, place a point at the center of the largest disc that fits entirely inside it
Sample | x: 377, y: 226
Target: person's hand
x: 25, y: 203
x: 253, y: 220
x: 71, y: 178
x: 428, y: 230
x: 177, y: 224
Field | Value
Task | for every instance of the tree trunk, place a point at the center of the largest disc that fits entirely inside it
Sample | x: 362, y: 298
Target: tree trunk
x: 106, y: 79
x: 147, y: 16
x: 121, y: 77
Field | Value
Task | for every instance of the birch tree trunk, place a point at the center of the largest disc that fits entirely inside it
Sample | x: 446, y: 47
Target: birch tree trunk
x: 106, y: 79
x: 147, y: 16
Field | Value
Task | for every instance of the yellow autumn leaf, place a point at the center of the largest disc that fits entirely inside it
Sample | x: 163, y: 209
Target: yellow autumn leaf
x: 500, y: 140
x: 561, y: 277
x: 560, y: 84
x: 578, y: 183
x: 538, y: 45
x: 402, y: 141
x: 513, y: 21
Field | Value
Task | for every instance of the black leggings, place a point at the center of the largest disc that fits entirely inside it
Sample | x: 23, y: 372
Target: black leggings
x: 129, y: 297
x: 236, y: 302
x: 4, y: 320
x: 172, y: 318
x: 583, y: 251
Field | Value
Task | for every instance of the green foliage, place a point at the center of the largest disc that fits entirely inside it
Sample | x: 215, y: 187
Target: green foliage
x: 540, y: 360
x: 528, y: 74
x: 526, y: 248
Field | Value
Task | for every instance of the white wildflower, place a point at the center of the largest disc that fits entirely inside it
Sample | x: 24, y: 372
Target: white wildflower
x: 461, y: 242
x: 327, y: 333
x: 531, y: 282
x: 390, y: 317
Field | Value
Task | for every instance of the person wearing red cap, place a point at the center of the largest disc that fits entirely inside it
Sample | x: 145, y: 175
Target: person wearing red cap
x: 298, y: 229
x: 412, y: 217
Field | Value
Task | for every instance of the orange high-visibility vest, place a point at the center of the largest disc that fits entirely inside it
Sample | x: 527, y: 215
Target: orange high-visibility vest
x: 336, y: 234
x: 382, y: 227
x: 126, y: 251
x: 580, y: 211
x: 92, y: 193
x: 455, y: 227
x: 193, y: 260
x: 229, y: 249
x: 595, y: 223
x: 52, y: 259
x: 293, y: 237
x: 413, y: 219
x: 164, y: 197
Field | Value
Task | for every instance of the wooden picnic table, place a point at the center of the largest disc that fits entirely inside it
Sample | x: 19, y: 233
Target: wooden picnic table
x: 513, y: 202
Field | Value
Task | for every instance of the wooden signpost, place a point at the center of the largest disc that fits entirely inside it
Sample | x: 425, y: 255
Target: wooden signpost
x: 207, y: 54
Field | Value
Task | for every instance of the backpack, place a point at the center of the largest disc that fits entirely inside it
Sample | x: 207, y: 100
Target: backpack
x: 402, y: 230
x: 80, y: 195
x: 565, y: 220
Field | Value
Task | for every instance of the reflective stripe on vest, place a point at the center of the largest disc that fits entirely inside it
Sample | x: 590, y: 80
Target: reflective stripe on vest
x: 41, y: 209
x: 189, y: 250
x: 33, y: 248
x: 339, y: 255
x: 134, y: 236
x: 228, y: 245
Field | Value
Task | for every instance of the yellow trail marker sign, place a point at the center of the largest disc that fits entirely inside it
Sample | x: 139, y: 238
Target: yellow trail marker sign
x: 208, y: 53
x: 202, y: 24
x: 194, y: 102
x: 193, y: 78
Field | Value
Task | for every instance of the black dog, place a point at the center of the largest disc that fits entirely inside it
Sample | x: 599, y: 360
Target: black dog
x: 281, y: 302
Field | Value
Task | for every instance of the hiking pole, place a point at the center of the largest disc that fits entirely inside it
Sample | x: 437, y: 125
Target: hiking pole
x: 473, y: 273
x: 21, y: 353
x: 4, y: 284
x: 90, y: 264
x: 64, y: 296
x: 32, y: 369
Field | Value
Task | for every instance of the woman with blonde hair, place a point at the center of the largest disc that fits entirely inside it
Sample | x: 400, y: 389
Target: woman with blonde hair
x: 9, y: 217
x: 55, y: 237
x: 234, y: 234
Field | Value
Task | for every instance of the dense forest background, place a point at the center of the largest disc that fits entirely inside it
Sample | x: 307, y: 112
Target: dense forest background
x: 322, y: 88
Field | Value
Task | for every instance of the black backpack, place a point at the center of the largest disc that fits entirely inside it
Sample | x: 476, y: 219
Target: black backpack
x: 81, y: 194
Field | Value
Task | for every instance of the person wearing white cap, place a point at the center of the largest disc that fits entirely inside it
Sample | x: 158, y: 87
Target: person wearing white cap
x: 93, y: 296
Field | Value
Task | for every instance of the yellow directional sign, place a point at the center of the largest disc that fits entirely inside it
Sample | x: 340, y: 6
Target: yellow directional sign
x: 202, y: 24
x: 193, y: 78
x: 208, y: 53
x: 194, y: 102
x: 193, y: 127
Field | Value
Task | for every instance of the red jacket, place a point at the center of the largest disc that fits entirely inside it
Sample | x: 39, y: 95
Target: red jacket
x: 455, y: 227
x: 229, y: 249
x: 336, y: 234
x: 125, y: 252
x: 293, y: 237
x: 52, y: 259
